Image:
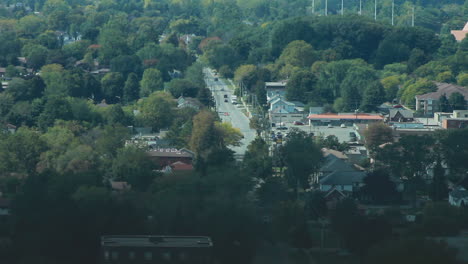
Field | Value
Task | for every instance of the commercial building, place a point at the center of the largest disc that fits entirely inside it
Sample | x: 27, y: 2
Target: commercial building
x: 343, y: 118
x: 156, y: 249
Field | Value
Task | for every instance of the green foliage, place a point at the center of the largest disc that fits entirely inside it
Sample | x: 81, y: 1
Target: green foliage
x: 419, y: 87
x: 133, y: 166
x: 150, y: 82
x: 302, y: 157
x: 298, y: 53
x: 156, y: 110
x: 112, y: 87
x: 422, y: 251
x: 182, y: 87
x: 377, y: 134
x: 462, y: 79
x: 379, y: 187
x: 301, y: 87
x: 457, y: 101
x: 257, y: 162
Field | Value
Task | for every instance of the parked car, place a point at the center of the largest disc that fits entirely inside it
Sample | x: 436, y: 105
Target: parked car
x: 226, y: 101
x: 216, y: 79
x: 343, y: 126
x: 225, y: 96
x: 298, y: 123
x: 282, y: 128
x: 329, y: 126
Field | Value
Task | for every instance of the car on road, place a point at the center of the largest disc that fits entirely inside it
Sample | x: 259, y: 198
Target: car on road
x: 343, y: 126
x: 282, y: 128
x: 298, y: 123
x: 234, y: 102
x: 216, y: 79
x: 329, y: 126
x: 226, y: 101
x: 225, y: 96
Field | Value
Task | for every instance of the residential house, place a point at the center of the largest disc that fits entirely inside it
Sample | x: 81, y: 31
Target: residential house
x: 343, y: 118
x: 428, y: 103
x: 338, y: 174
x: 8, y: 128
x: 167, y: 156
x: 458, y: 197
x: 400, y: 115
x: 178, y: 167
x: 194, y: 103
x: 460, y: 34
x: 282, y: 111
x: 275, y: 89
x: 120, y: 186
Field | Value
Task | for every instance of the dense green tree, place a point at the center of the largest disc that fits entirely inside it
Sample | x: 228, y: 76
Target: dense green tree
x: 373, y: 97
x: 302, y: 158
x: 182, y: 87
x: 444, y: 104
x: 377, y: 134
x: 354, y: 85
x: 438, y: 189
x: 300, y: 87
x: 150, y: 82
x: 36, y: 55
x: 131, y: 89
x: 298, y: 53
x: 422, y: 251
x: 157, y: 111
x: 257, y: 162
x: 112, y: 87
x: 379, y: 187
x: 134, y: 166
x: 457, y: 101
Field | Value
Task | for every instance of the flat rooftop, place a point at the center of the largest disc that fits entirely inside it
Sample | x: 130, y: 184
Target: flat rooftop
x: 156, y: 241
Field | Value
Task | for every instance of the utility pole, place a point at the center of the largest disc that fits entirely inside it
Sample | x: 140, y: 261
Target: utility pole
x: 342, y: 7
x: 393, y: 12
x: 326, y: 7
x: 375, y: 10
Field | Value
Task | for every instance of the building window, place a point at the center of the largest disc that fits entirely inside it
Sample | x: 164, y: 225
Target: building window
x: 148, y: 255
x: 115, y: 255
x: 131, y: 255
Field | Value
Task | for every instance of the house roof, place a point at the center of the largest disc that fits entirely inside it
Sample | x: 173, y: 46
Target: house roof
x: 181, y: 166
x: 460, y: 34
x: 444, y: 88
x: 333, y: 163
x: 459, y: 193
x: 343, y: 178
x: 329, y: 116
x: 277, y: 100
x: 170, y: 152
x: 120, y: 185
x: 335, y: 153
x: 275, y: 85
x: 405, y: 113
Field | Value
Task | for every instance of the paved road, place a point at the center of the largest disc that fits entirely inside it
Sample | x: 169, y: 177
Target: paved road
x: 229, y: 112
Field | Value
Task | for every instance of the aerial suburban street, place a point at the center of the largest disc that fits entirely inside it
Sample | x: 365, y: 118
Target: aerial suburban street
x: 228, y: 111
